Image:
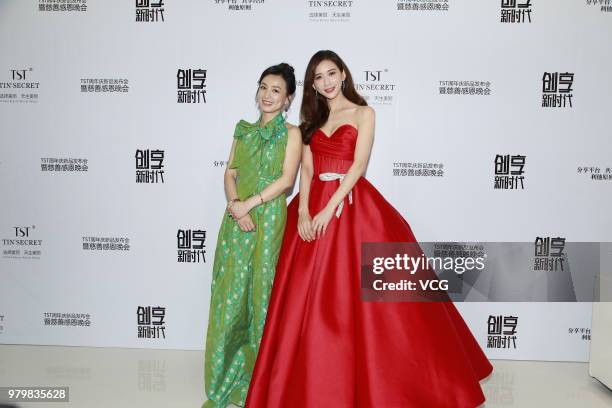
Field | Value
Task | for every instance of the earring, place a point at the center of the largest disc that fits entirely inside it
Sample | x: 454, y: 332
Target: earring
x: 343, y: 84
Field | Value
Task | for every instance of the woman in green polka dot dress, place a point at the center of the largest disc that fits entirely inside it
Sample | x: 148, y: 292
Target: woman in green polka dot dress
x: 263, y: 163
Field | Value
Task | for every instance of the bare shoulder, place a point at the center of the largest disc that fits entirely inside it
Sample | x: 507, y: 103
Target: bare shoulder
x: 293, y: 131
x: 366, y: 116
x: 366, y: 112
x: 291, y: 127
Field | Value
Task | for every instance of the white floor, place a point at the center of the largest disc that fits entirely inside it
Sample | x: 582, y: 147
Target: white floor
x: 113, y: 377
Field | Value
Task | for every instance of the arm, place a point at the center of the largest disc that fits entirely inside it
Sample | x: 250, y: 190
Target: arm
x: 304, y: 220
x: 365, y: 121
x: 281, y: 184
x: 229, y: 177
x: 305, y: 179
x: 231, y: 191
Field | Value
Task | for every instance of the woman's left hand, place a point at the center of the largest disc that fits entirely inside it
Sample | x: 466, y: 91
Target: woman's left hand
x: 321, y: 220
x: 239, y: 209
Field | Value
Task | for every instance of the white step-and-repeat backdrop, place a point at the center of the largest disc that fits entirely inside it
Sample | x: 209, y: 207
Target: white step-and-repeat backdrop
x: 117, y: 117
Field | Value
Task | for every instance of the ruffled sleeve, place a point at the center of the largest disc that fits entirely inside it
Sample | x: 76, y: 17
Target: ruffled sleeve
x: 241, y: 129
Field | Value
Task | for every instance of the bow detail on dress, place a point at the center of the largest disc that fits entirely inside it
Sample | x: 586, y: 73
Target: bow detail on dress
x: 275, y: 126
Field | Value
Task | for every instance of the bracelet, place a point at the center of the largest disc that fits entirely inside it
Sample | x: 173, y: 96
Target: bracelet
x: 231, y: 202
x: 261, y: 198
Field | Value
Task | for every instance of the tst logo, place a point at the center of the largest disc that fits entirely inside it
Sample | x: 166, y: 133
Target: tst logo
x: 20, y: 74
x: 373, y: 75
x: 21, y: 232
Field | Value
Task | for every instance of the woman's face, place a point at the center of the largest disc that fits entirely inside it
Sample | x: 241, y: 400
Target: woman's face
x: 328, y: 79
x: 272, y: 94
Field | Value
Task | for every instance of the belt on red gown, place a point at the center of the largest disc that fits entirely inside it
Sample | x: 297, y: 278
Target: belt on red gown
x: 340, y: 177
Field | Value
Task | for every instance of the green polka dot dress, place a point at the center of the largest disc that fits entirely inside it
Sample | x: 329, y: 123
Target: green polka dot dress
x: 244, y: 266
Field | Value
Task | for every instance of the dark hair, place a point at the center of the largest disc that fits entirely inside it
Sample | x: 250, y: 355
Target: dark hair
x: 284, y: 70
x: 315, y: 111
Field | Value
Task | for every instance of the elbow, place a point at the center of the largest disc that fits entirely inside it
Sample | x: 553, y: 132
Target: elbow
x: 307, y: 172
x: 287, y: 183
x: 230, y: 174
x: 360, y: 168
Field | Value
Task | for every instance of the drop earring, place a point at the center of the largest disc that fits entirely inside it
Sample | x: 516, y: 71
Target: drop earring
x: 343, y: 85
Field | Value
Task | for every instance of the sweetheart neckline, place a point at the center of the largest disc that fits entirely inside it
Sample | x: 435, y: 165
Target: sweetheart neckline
x: 337, y: 129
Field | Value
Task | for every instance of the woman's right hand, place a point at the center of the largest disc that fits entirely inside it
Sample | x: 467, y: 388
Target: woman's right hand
x: 246, y: 223
x: 305, y: 230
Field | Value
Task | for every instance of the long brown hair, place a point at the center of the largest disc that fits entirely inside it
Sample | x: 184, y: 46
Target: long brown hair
x: 315, y: 111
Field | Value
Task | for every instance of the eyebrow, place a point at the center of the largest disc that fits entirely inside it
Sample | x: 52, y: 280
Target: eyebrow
x: 331, y: 69
x: 274, y: 86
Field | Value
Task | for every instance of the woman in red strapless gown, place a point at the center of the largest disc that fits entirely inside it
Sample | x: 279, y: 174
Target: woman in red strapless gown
x: 323, y: 347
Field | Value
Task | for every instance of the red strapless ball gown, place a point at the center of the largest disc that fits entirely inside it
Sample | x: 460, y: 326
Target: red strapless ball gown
x: 323, y: 347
